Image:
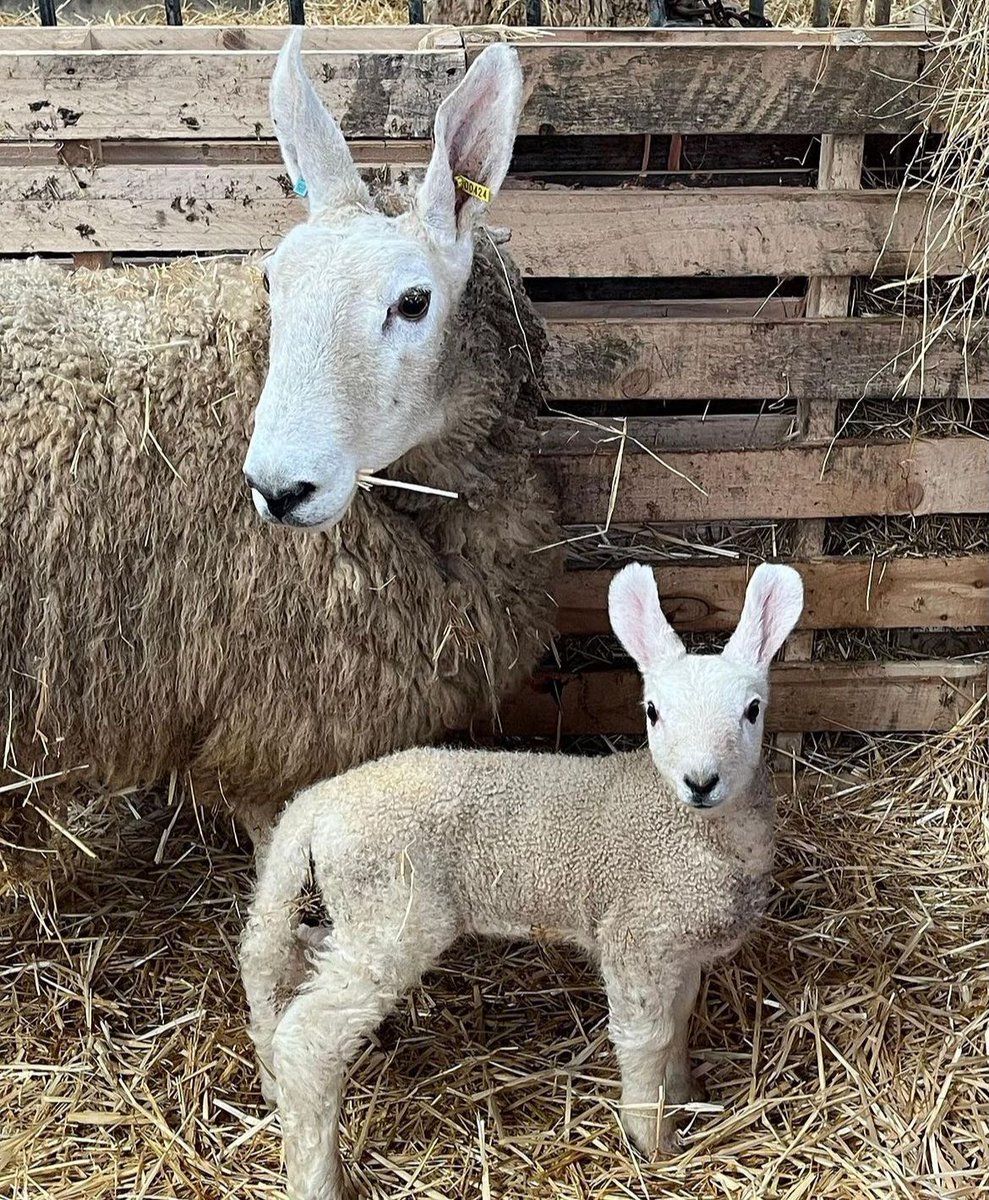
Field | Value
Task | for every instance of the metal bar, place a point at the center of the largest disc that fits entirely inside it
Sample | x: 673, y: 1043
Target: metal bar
x: 821, y: 16
x: 657, y: 12
x: 757, y: 8
x: 297, y: 12
x: 46, y: 11
x: 173, y: 12
x: 415, y: 13
x: 883, y: 12
x: 533, y: 12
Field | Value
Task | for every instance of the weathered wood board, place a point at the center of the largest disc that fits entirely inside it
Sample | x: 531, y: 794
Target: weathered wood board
x: 106, y: 83
x: 618, y: 358
x: 839, y: 593
x: 806, y: 698
x: 848, y: 479
x: 602, y: 232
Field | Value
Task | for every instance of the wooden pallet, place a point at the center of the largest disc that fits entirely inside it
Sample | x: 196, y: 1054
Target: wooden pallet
x: 704, y: 330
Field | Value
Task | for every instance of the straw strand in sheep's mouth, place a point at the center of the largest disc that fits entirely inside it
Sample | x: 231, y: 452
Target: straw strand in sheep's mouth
x: 366, y: 481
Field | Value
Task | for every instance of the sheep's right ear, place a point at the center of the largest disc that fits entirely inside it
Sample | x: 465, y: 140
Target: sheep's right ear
x: 774, y: 601
x: 314, y: 150
x: 638, y: 621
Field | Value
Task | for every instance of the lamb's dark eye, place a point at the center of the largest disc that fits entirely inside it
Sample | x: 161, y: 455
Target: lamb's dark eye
x: 413, y: 305
x: 651, y: 713
x: 265, y: 281
x: 752, y: 712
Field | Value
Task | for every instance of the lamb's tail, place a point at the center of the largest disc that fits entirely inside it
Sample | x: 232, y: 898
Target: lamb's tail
x: 272, y: 960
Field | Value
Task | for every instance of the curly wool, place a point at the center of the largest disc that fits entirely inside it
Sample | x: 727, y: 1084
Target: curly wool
x: 150, y: 623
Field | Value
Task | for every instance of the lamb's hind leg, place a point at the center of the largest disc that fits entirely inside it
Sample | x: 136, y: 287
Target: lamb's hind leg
x: 361, y: 969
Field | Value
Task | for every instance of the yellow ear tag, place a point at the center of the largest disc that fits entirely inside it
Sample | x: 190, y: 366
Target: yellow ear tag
x: 477, y: 190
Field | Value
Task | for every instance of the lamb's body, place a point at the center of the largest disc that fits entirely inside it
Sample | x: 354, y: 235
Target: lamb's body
x: 577, y: 848
x: 655, y: 863
x: 150, y: 623
x: 412, y: 851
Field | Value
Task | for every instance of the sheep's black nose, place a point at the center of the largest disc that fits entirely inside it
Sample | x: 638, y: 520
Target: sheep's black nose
x: 280, y: 502
x: 705, y: 788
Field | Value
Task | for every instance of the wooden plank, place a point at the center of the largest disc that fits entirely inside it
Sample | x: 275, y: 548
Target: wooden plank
x: 840, y: 166
x: 555, y: 232
x: 850, y: 479
x: 207, y: 94
x: 192, y: 81
x: 807, y: 697
x: 621, y: 359
x: 839, y: 593
x: 842, y: 82
x: 676, y: 431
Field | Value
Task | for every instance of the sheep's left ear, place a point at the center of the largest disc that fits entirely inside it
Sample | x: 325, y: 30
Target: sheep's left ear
x: 773, y: 604
x: 473, y: 138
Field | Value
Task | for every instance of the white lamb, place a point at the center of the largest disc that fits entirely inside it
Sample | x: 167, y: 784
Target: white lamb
x: 655, y: 863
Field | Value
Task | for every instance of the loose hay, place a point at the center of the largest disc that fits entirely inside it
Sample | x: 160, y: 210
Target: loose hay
x: 863, y: 1007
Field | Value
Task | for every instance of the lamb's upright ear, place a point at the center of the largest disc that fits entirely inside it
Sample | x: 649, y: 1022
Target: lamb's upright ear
x: 773, y: 604
x: 472, y: 138
x: 313, y: 147
x: 638, y: 621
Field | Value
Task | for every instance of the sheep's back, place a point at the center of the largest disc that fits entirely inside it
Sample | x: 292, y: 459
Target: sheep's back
x: 153, y: 624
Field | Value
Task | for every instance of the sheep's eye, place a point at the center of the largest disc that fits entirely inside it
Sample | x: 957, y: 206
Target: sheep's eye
x: 752, y: 712
x: 266, y: 281
x: 413, y: 305
x: 651, y: 713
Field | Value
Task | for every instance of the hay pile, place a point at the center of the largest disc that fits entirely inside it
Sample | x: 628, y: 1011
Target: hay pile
x: 863, y: 1008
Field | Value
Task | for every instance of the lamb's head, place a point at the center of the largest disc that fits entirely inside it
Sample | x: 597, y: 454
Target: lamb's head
x: 705, y: 712
x: 360, y: 300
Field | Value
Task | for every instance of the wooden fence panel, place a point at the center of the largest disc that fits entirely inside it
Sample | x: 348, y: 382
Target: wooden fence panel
x: 806, y: 698
x: 839, y: 593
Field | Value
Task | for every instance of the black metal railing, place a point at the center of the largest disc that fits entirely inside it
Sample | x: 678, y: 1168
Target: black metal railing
x: 658, y: 12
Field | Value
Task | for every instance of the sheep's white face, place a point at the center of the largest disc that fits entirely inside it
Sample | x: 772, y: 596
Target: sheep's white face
x: 705, y: 712
x: 359, y: 308
x: 360, y: 302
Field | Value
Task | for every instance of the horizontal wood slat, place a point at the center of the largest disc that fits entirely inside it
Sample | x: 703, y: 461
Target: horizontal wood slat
x: 214, y: 93
x: 839, y: 593
x: 849, y: 479
x: 829, y: 359
x: 834, y: 84
x: 555, y: 232
x: 103, y: 83
x: 806, y: 698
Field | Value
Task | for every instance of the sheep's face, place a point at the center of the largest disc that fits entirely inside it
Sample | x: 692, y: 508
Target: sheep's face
x: 705, y: 713
x: 704, y: 720
x: 360, y: 302
x: 359, y: 307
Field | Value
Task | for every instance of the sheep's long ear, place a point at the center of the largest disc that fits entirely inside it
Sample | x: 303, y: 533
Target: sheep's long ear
x: 313, y: 147
x: 637, y: 619
x: 773, y: 604
x: 472, y: 138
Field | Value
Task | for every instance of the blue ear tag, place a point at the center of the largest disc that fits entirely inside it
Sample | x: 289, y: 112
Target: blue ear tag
x: 301, y: 188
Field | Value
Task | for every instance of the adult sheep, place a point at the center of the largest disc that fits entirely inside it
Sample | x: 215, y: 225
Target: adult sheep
x: 150, y: 623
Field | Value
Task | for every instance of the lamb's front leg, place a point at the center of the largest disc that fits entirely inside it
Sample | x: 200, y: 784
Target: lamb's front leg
x: 645, y: 1020
x: 681, y: 1086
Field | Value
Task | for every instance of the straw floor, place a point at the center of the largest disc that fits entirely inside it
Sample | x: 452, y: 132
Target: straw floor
x: 845, y: 1051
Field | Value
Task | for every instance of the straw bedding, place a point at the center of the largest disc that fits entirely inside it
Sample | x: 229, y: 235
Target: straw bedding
x: 845, y: 1051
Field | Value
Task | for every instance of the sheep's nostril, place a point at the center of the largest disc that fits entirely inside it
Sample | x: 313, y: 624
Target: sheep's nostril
x: 703, y: 788
x: 281, y: 502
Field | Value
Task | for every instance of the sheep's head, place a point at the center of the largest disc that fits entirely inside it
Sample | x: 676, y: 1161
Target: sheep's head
x: 705, y: 712
x: 360, y: 301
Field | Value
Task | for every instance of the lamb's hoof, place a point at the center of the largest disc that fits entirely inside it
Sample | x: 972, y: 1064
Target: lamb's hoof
x: 653, y: 1139
x: 684, y: 1089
